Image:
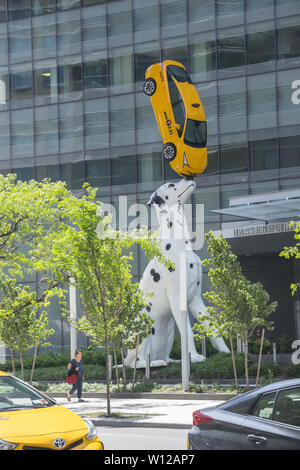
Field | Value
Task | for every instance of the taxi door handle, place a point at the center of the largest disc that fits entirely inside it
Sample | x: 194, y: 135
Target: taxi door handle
x: 257, y: 439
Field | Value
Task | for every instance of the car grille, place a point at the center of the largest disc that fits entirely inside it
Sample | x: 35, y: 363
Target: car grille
x: 69, y: 447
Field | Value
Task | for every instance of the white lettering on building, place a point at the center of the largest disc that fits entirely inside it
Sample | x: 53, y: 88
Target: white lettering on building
x: 296, y: 94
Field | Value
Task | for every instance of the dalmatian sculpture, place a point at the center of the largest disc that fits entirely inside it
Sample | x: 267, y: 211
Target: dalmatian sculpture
x: 164, y: 306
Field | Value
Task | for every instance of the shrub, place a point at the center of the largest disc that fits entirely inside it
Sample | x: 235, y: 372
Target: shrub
x: 218, y: 366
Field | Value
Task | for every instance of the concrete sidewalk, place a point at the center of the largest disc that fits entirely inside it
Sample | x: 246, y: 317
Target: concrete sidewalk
x: 157, y: 411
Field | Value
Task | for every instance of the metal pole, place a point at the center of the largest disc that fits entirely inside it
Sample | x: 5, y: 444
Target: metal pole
x: 274, y: 353
x: 184, y: 319
x: 73, y: 317
x: 148, y: 366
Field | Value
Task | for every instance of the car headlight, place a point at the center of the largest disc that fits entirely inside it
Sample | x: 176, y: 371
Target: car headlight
x: 7, y: 445
x: 92, y: 434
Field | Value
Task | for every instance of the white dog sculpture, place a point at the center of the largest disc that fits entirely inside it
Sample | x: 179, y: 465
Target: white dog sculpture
x: 164, y: 306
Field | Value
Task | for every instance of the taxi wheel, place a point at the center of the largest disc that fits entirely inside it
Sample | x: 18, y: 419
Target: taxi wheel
x: 149, y: 87
x: 169, y: 151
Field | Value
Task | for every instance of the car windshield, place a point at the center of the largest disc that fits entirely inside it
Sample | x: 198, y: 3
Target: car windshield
x: 195, y: 133
x: 179, y: 73
x: 16, y: 395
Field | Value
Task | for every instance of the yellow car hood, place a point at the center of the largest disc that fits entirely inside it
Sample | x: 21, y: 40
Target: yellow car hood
x: 55, y: 420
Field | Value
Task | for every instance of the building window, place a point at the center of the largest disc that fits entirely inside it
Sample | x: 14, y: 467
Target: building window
x: 22, y: 133
x: 263, y: 154
x: 19, y: 9
x: 46, y: 130
x: 19, y: 43
x: 150, y: 167
x: 5, y: 138
x: 288, y: 42
x: 66, y: 4
x: 261, y: 47
x: 289, y: 151
x: 122, y: 121
x: 145, y: 56
x: 94, y: 29
x: 123, y: 170
x: 40, y: 7
x: 70, y: 80
x: 68, y: 33
x: 73, y: 174
x: 234, y: 158
x: 98, y: 172
x: 121, y: 70
x: 21, y: 85
x: 203, y: 59
x: 96, y: 124
x: 45, y: 82
x: 71, y: 127
x: 95, y: 75
x: 44, y: 37
x: 231, y: 52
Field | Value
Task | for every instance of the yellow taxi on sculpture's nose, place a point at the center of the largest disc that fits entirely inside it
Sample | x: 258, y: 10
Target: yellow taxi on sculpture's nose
x: 29, y: 420
x: 180, y: 117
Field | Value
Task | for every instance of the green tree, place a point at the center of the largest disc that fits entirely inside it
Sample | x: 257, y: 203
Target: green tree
x: 293, y: 252
x: 32, y: 225
x: 101, y: 268
x: 237, y: 306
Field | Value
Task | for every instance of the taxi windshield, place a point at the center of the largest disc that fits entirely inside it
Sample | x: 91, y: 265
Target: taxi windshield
x: 179, y: 73
x: 17, y: 395
x: 195, y: 133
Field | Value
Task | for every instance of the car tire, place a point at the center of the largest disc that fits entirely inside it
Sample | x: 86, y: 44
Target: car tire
x: 149, y: 87
x: 169, y: 151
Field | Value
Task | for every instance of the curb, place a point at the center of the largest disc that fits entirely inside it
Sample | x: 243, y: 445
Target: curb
x: 152, y: 396
x: 125, y: 423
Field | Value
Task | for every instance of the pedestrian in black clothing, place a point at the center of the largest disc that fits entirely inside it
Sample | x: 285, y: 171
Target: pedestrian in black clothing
x: 75, y: 366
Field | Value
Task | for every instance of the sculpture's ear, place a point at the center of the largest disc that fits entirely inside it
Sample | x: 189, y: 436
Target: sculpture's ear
x: 158, y: 201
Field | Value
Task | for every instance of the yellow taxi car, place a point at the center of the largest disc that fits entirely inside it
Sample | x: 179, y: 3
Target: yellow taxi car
x: 180, y: 117
x: 30, y: 420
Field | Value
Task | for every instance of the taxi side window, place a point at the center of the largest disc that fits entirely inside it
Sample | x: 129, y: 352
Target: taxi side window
x: 177, y: 105
x: 265, y: 406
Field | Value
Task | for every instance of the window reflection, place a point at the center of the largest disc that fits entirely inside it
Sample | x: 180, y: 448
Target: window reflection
x: 47, y: 171
x: 4, y: 136
x: 121, y: 71
x: 73, y: 174
x: 203, y: 59
x: 144, y: 57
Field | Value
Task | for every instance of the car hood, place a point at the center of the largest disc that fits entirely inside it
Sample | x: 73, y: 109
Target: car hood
x: 38, y: 422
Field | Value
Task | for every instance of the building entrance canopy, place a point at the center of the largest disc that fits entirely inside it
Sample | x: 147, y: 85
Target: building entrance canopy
x: 267, y: 207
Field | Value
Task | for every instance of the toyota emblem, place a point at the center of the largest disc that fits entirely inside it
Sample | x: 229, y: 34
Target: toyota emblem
x: 59, y: 443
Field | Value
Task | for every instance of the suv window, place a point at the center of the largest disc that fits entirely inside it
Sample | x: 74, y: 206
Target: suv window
x: 287, y: 407
x: 177, y: 105
x: 179, y: 73
x: 195, y: 133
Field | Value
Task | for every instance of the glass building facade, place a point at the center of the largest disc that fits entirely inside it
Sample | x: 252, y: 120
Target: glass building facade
x: 72, y: 106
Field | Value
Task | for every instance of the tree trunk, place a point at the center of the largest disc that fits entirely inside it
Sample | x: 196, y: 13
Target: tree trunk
x: 33, y: 362
x: 246, y: 363
x: 135, y: 360
x: 233, y: 363
x: 259, y: 357
x: 13, y: 361
x: 107, y: 376
x: 116, y: 366
x: 124, y: 371
x: 22, y: 366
